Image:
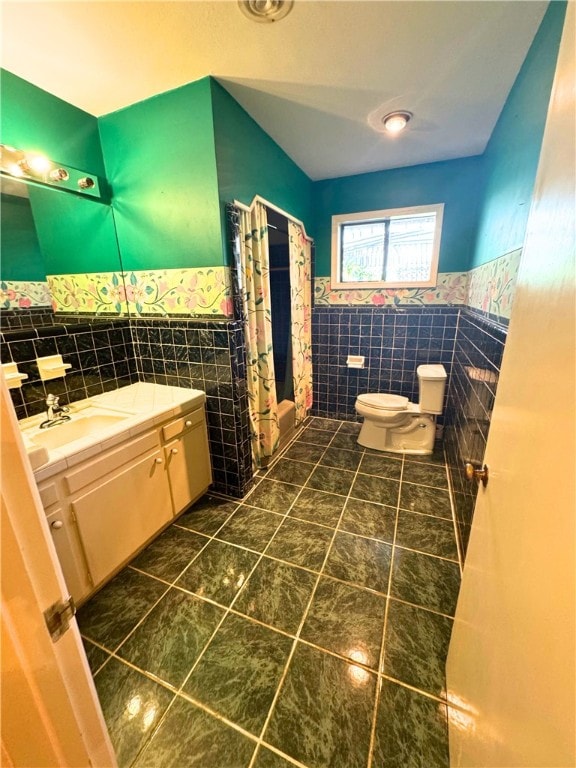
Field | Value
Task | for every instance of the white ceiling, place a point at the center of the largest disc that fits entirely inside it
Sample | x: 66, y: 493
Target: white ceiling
x: 317, y: 81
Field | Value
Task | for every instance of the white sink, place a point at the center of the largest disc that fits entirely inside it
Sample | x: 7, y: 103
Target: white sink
x: 77, y: 428
x: 87, y: 422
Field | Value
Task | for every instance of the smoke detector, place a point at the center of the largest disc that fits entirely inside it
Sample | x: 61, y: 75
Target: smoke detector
x: 265, y: 10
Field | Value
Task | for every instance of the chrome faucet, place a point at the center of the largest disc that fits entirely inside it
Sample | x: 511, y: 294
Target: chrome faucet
x: 55, y: 413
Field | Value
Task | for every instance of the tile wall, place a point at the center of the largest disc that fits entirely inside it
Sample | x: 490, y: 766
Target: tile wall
x: 104, y: 355
x: 25, y: 318
x: 393, y: 341
x: 101, y: 355
x: 207, y: 355
x: 472, y: 388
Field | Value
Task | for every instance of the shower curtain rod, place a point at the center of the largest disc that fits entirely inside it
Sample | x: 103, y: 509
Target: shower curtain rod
x: 258, y: 199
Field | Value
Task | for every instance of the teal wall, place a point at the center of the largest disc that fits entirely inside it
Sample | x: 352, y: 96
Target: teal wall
x: 175, y: 160
x: 161, y: 163
x: 75, y: 234
x: 250, y: 163
x: 511, y: 157
x: 33, y: 119
x: 87, y: 245
x: 456, y: 183
x: 21, y: 257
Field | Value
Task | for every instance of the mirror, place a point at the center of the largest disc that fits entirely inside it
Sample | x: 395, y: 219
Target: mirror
x: 47, y: 235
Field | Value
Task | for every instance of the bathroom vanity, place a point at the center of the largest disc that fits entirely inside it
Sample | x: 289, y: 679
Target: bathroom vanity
x: 115, y: 475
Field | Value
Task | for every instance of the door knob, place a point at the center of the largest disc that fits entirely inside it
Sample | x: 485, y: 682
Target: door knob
x: 57, y: 524
x: 174, y: 451
x: 188, y: 423
x: 158, y: 461
x: 475, y: 473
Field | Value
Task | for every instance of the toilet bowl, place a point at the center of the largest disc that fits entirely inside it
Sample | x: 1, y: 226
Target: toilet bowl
x: 392, y: 423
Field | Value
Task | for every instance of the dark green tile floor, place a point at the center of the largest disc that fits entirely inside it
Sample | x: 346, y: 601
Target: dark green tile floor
x: 306, y: 625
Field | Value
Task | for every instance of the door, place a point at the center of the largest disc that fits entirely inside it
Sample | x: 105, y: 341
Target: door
x: 510, y: 669
x: 121, y: 512
x: 50, y: 714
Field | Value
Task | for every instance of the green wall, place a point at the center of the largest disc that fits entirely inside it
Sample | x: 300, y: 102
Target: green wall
x: 250, y: 163
x: 21, y: 255
x: 33, y: 119
x: 89, y: 245
x: 75, y: 234
x: 456, y: 183
x: 174, y: 161
x: 511, y: 157
x: 161, y: 163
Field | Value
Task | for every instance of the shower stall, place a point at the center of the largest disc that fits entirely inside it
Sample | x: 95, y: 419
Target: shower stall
x: 273, y: 276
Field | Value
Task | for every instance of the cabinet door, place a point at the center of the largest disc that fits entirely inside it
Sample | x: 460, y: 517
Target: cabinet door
x: 189, y: 468
x: 120, y: 515
x: 69, y: 551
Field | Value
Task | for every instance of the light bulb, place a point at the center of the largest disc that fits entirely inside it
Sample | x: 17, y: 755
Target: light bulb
x: 396, y: 121
x: 38, y: 163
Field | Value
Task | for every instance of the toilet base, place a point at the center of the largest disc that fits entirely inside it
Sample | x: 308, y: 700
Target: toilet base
x: 416, y: 437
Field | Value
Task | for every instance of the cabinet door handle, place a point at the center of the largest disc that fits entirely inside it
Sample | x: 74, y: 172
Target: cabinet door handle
x: 188, y: 423
x: 158, y: 461
x: 56, y: 524
x: 174, y: 451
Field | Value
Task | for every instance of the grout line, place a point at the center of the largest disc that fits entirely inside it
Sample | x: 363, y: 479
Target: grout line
x: 384, y: 627
x: 455, y: 523
x: 296, y: 636
x: 298, y: 631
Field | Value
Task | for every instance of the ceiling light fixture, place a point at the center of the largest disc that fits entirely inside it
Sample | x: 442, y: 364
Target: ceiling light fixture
x: 265, y: 10
x: 395, y: 122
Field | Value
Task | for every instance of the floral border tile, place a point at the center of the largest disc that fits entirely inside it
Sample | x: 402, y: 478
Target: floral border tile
x: 93, y: 293
x: 196, y: 291
x: 451, y: 288
x: 190, y: 292
x: 492, y: 285
x: 23, y: 294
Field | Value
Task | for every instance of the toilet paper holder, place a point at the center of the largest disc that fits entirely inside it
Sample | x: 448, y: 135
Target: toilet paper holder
x: 355, y: 361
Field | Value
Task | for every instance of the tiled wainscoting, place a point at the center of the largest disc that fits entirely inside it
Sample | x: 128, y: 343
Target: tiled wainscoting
x: 393, y: 341
x: 101, y: 355
x: 207, y: 355
x: 475, y: 369
x: 105, y: 355
x: 26, y: 318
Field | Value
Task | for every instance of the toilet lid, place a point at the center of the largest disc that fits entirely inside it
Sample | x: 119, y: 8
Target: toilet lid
x: 385, y: 402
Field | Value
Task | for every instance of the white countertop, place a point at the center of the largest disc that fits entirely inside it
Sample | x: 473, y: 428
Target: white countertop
x: 145, y: 405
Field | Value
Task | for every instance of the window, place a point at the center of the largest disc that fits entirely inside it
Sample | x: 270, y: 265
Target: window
x: 386, y: 249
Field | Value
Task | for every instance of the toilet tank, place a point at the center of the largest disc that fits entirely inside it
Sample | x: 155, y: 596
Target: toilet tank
x: 432, y: 383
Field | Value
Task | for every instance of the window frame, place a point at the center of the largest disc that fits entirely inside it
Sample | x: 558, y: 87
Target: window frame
x: 372, y: 216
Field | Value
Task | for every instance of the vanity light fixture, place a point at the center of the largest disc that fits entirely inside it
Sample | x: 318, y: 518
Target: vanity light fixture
x: 265, y: 11
x: 35, y: 167
x: 394, y: 122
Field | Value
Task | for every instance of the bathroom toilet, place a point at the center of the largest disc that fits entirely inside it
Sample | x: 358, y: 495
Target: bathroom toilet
x: 392, y: 423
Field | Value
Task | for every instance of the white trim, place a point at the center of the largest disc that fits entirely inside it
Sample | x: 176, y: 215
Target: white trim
x: 346, y: 218
x: 259, y: 199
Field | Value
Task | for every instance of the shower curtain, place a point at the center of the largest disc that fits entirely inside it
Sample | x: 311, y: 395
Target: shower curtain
x: 301, y: 305
x: 255, y: 293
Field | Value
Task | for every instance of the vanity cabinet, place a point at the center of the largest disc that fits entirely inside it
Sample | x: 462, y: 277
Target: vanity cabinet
x: 187, y: 459
x: 102, y: 511
x: 121, y: 511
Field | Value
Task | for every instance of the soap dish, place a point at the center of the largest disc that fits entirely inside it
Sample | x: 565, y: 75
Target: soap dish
x: 52, y: 367
x: 13, y: 376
